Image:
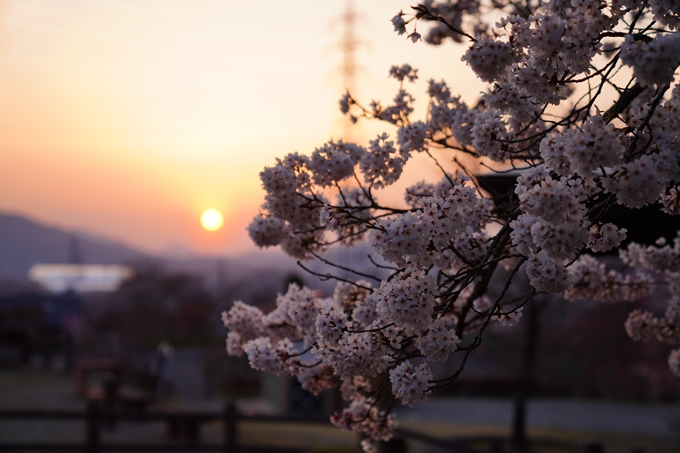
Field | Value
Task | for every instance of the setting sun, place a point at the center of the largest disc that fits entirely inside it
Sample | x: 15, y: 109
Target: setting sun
x: 212, y: 219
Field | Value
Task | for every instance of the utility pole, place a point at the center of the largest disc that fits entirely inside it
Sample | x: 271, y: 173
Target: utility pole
x: 75, y: 258
x: 74, y: 253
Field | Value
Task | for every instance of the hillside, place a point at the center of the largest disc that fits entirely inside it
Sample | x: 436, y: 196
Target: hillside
x: 24, y: 243
x: 257, y: 275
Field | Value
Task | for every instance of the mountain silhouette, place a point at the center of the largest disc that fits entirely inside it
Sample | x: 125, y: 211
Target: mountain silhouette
x: 24, y: 243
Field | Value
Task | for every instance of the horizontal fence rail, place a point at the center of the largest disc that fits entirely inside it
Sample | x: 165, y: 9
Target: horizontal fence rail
x: 95, y: 419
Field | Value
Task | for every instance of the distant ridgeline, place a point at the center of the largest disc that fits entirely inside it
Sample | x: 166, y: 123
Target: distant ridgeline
x: 25, y: 243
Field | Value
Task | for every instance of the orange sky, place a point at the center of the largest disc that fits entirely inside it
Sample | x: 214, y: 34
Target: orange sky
x: 127, y: 119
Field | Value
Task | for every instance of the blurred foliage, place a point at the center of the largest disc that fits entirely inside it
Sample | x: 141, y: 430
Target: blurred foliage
x: 159, y: 305
x: 583, y: 351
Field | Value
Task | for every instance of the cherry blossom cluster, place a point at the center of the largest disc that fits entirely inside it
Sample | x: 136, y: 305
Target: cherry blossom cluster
x: 356, y: 333
x: 652, y: 270
x: 410, y: 383
x: 582, y: 109
x: 590, y: 279
x: 643, y: 325
x: 447, y: 227
x: 404, y: 72
x: 361, y: 415
x: 653, y: 62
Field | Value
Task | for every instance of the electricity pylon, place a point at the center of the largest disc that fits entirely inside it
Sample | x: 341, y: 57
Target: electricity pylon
x: 349, y: 44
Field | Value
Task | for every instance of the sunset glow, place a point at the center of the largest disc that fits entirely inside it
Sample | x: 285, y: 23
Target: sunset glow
x: 118, y: 118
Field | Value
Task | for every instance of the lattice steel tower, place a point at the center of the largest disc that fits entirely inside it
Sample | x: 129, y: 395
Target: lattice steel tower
x: 349, y: 68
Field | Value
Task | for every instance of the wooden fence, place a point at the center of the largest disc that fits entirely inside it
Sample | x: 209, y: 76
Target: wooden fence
x: 189, y: 424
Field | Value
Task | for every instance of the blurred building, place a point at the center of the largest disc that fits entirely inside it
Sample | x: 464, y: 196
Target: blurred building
x: 80, y: 277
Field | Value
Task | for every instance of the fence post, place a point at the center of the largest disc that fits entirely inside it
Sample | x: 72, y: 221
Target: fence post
x: 92, y: 428
x: 110, y: 398
x: 230, y: 441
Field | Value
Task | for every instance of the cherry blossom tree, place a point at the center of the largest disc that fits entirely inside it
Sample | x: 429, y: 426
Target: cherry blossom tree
x: 581, y: 105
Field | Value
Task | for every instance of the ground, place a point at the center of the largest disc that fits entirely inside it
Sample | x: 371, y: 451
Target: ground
x: 37, y: 389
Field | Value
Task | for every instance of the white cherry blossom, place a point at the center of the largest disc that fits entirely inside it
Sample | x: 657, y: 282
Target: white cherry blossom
x: 581, y: 109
